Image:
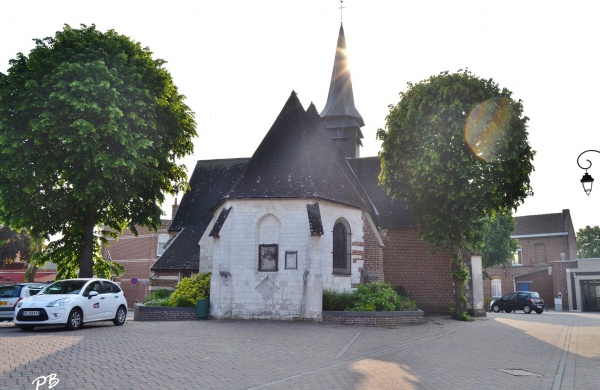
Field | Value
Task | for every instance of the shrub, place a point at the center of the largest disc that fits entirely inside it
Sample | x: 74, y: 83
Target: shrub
x: 380, y: 297
x: 191, y: 289
x: 158, y: 298
x: 368, y: 297
x: 337, y: 301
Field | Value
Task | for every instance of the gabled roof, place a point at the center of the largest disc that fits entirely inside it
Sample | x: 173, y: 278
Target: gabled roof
x: 391, y: 214
x: 543, y: 224
x: 294, y: 160
x: 339, y: 110
x: 210, y: 181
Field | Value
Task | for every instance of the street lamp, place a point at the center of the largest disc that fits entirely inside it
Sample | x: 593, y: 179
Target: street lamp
x: 587, y: 180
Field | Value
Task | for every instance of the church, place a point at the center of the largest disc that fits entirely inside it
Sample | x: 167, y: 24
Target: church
x: 305, y: 213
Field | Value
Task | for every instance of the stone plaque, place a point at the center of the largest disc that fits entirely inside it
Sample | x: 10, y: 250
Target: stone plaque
x: 266, y: 288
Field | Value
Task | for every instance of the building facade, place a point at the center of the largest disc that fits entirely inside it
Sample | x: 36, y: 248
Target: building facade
x: 303, y: 214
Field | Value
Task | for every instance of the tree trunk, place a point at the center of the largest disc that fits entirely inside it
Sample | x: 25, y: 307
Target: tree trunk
x: 37, y: 247
x: 460, y: 276
x: 86, y: 259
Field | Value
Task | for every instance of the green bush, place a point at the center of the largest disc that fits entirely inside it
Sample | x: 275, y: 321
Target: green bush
x: 158, y: 298
x: 191, y: 289
x: 380, y: 297
x: 368, y: 297
x: 337, y: 301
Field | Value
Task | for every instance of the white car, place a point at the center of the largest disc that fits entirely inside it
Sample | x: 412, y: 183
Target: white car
x: 71, y: 303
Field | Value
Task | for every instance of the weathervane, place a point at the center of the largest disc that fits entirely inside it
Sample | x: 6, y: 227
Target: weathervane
x: 341, y: 7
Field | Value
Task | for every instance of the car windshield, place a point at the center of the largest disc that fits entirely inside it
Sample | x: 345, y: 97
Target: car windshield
x: 34, y: 290
x: 64, y: 287
x: 10, y: 291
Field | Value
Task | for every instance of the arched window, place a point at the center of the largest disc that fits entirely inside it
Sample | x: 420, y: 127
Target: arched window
x: 341, y: 247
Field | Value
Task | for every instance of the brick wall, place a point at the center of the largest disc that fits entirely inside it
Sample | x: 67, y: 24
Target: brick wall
x: 538, y: 275
x: 373, y: 255
x: 157, y: 282
x: 136, y: 254
x: 425, y: 275
x: 540, y: 282
x: 543, y: 250
x: 559, y: 281
x: 153, y: 313
x: 373, y: 318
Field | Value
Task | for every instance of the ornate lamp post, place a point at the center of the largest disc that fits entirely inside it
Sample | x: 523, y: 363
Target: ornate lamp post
x: 587, y: 180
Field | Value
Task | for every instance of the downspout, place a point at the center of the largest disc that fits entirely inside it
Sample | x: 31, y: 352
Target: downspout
x: 304, y: 286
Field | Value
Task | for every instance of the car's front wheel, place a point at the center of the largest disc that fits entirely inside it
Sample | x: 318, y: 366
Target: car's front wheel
x: 527, y: 309
x: 121, y: 316
x: 496, y: 308
x: 75, y: 320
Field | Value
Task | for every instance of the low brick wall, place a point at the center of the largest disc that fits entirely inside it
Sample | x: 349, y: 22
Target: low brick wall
x: 373, y: 318
x: 161, y: 313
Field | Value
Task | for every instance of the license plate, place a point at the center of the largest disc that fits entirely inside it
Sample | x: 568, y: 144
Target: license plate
x: 31, y: 313
x: 3, y: 303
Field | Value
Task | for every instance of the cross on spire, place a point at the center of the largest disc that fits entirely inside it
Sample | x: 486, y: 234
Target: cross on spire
x: 341, y: 8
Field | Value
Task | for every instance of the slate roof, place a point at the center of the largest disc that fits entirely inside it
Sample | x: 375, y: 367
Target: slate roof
x: 543, y: 224
x: 391, y: 214
x: 210, y: 181
x: 340, y: 110
x: 295, y: 160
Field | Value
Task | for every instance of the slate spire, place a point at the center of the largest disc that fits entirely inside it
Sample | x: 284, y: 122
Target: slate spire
x: 340, y: 116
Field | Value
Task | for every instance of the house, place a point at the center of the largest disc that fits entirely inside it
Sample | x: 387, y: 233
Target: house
x: 137, y: 253
x: 546, y: 244
x: 304, y: 213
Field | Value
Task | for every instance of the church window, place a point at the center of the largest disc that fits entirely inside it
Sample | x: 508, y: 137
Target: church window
x: 341, y: 247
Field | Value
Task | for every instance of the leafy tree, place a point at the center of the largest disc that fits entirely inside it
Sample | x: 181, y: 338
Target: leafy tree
x: 13, y: 243
x: 91, y: 127
x: 455, y: 149
x: 588, y: 242
x: 498, y: 246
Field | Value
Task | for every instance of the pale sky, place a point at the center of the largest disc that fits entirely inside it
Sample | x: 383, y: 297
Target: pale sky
x: 238, y: 61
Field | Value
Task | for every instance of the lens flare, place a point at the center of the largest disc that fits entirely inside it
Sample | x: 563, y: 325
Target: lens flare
x: 487, y: 130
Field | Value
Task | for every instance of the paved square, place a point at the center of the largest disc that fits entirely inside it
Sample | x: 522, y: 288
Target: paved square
x: 502, y: 351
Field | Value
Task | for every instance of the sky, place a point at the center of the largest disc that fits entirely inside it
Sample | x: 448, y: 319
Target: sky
x: 238, y: 61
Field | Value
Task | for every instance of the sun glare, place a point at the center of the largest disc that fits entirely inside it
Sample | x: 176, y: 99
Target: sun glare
x: 487, y: 129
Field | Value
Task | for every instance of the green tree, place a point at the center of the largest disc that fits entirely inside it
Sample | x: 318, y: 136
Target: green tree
x: 498, y: 247
x: 13, y: 243
x: 91, y: 128
x: 588, y: 242
x: 455, y: 149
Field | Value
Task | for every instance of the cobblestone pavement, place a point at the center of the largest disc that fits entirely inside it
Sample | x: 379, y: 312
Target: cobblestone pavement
x: 501, y: 351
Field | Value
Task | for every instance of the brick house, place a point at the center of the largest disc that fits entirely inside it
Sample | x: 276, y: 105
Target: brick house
x: 547, y: 247
x: 137, y: 254
x: 303, y: 214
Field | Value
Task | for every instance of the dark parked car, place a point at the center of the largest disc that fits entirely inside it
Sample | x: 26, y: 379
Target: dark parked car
x: 519, y: 300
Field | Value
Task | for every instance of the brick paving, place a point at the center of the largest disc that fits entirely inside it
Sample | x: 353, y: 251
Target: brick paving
x: 502, y: 351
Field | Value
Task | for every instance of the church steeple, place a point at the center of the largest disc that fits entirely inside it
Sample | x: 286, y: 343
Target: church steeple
x: 341, y: 118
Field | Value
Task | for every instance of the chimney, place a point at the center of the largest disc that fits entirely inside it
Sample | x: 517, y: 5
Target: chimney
x: 174, y: 208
